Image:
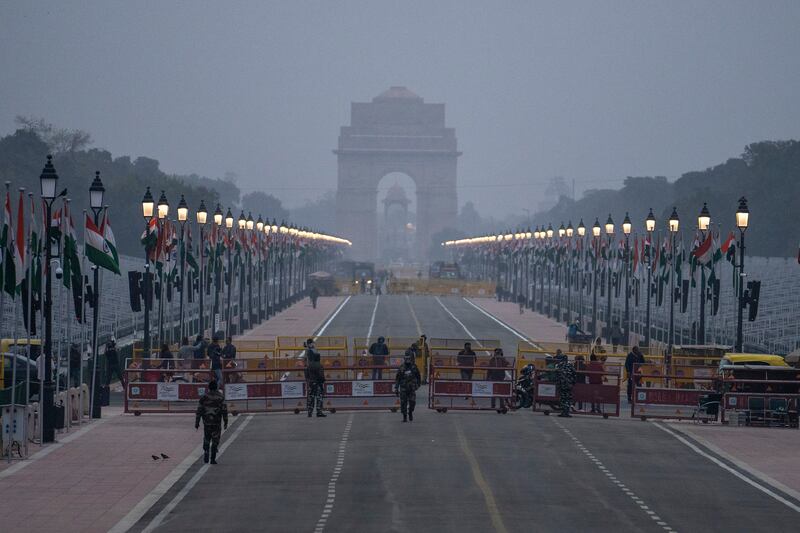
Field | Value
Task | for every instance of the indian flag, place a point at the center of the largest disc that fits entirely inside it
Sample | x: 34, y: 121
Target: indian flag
x: 705, y: 252
x: 98, y: 250
x: 111, y: 242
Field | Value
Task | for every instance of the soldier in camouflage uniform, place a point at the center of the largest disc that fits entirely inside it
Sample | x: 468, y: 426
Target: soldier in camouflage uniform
x: 214, y: 412
x: 406, y: 384
x: 315, y: 380
x: 566, y: 380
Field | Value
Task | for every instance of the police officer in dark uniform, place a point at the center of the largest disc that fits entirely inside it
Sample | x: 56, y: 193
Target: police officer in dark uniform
x: 214, y: 412
x: 406, y: 384
x: 566, y: 380
x: 315, y: 379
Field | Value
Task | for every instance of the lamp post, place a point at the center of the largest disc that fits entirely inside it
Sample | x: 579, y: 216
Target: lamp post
x: 581, y: 233
x: 674, y: 224
x: 569, y: 232
x: 216, y: 319
x: 610, y: 235
x: 183, y: 215
x: 249, y: 225
x: 559, y: 273
x: 202, y: 217
x: 229, y: 228
x: 596, y: 244
x: 703, y: 223
x: 48, y: 181
x: 650, y: 226
x: 96, y: 193
x: 742, y: 221
x: 550, y: 266
x: 148, y: 206
x: 260, y: 269
x: 242, y: 224
x: 626, y: 229
x: 163, y: 211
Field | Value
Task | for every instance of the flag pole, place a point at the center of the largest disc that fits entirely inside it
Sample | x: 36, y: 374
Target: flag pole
x: 3, y: 252
x: 31, y: 316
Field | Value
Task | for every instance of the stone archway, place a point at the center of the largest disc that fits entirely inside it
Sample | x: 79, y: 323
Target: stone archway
x: 396, y: 132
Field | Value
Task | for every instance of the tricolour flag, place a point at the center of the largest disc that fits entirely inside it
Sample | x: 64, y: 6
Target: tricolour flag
x: 9, y: 274
x: 97, y: 250
x: 705, y: 252
x: 111, y: 242
x: 19, y: 242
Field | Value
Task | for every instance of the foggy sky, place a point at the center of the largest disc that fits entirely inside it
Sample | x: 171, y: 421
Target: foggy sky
x: 592, y: 91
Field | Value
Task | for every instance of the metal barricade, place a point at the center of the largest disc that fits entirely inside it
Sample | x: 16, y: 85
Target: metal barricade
x: 686, y: 393
x: 595, y: 393
x: 477, y: 387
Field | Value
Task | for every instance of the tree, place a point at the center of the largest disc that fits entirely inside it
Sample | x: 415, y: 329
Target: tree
x: 261, y: 203
x: 59, y: 140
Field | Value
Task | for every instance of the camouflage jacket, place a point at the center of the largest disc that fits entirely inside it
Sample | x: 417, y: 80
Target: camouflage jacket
x: 408, y: 377
x: 566, y: 374
x: 212, y: 409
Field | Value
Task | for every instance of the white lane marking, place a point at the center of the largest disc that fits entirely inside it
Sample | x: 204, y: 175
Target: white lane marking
x: 329, y: 502
x: 629, y: 493
x: 500, y: 322
x: 733, y: 471
x: 468, y: 332
x: 372, y: 320
x: 192, y: 482
x: 330, y: 319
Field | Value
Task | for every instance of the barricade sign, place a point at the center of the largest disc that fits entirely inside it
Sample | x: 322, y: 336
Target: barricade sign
x: 595, y: 392
x: 688, y: 393
x: 478, y: 382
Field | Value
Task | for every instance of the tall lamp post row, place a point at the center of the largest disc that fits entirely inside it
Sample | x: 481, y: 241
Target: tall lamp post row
x: 285, y: 284
x: 547, y: 239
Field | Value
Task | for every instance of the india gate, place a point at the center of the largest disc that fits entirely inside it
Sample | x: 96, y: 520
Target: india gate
x: 396, y: 132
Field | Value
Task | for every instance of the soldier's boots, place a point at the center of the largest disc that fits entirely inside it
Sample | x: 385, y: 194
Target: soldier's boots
x: 411, y: 416
x: 405, y: 418
x: 309, y: 414
x: 214, y: 456
x: 205, y: 456
x: 320, y: 414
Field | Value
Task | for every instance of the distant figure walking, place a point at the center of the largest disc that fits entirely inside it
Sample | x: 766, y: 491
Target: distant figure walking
x: 378, y: 350
x: 313, y: 295
x: 315, y: 380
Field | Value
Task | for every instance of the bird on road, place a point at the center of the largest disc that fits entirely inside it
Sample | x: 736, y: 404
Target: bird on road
x: 155, y: 457
x: 164, y: 456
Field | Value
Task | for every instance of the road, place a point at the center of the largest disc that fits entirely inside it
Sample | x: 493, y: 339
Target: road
x: 459, y: 472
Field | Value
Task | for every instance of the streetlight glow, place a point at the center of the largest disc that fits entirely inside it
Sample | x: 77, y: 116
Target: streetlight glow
x: 147, y: 205
x: 202, y: 213
x: 650, y: 222
x: 183, y: 210
x: 704, y: 218
x: 163, y: 206
x: 742, y: 214
x: 674, y: 221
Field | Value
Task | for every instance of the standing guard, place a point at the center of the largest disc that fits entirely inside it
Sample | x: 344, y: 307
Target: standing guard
x: 214, y: 412
x: 315, y: 380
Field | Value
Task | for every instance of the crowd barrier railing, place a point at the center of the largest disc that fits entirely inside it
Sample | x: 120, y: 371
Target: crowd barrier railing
x: 595, y: 393
x: 484, y: 386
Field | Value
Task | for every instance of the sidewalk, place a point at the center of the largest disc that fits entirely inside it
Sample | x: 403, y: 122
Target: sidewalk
x: 769, y: 451
x: 92, y: 479
x: 299, y: 319
x: 535, y: 326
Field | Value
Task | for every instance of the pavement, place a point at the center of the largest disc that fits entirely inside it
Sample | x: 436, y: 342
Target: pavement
x: 459, y: 472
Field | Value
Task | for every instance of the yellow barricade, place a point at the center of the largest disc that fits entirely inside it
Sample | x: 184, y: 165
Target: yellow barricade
x: 441, y: 287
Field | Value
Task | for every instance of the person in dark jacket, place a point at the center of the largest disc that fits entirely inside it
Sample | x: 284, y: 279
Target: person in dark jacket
x: 229, y: 350
x: 315, y: 379
x: 406, y: 383
x: 165, y: 355
x: 633, y: 361
x: 214, y: 413
x: 112, y: 363
x: 200, y: 346
x: 378, y: 350
x: 215, y: 355
x: 75, y: 365
x: 313, y: 295
x: 497, y: 372
x: 467, y: 358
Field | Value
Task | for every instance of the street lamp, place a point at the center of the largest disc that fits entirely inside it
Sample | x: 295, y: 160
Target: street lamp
x: 569, y: 231
x: 610, y: 235
x: 596, y: 244
x: 96, y: 194
x: 674, y: 225
x: 148, y: 206
x: 202, y: 216
x: 742, y: 221
x: 163, y: 212
x: 218, y: 216
x: 650, y: 226
x: 581, y: 266
x: 242, y: 221
x: 626, y: 229
x: 229, y: 227
x: 48, y: 181
x: 183, y: 215
x: 703, y: 223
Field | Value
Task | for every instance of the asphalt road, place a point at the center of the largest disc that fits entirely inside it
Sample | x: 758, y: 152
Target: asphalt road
x: 459, y: 472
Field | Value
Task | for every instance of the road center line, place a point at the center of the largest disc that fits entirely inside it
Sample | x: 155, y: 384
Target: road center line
x: 337, y: 470
x: 372, y: 320
x: 414, y: 315
x: 330, y: 319
x: 613, y: 479
x: 733, y: 471
x: 468, y: 332
x: 477, y: 475
x: 159, y: 518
